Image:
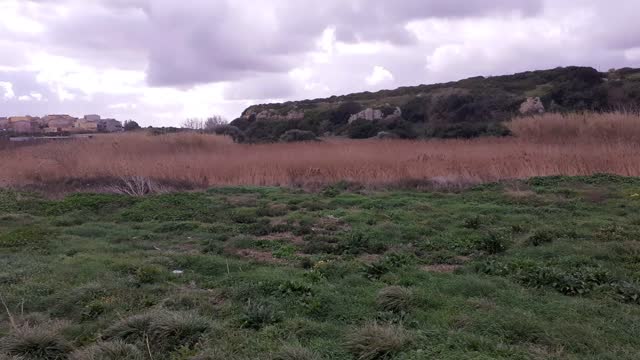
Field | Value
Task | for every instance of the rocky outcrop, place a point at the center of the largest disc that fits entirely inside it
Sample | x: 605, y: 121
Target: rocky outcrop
x: 370, y: 114
x: 274, y: 115
x: 532, y: 106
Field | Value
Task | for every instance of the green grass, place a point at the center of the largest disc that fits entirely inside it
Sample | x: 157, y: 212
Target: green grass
x: 547, y: 268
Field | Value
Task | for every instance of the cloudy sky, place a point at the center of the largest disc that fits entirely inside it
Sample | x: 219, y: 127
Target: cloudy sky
x: 161, y: 61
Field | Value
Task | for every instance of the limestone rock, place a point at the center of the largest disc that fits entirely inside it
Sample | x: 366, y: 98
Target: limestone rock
x: 368, y: 114
x: 532, y: 106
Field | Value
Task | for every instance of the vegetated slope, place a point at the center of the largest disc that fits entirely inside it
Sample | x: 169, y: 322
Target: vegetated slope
x: 465, y: 108
x: 540, y: 269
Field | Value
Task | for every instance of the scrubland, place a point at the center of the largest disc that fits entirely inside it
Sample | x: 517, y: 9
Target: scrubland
x: 376, y: 262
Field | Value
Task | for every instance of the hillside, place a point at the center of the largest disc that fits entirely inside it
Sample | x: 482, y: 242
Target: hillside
x: 467, y: 108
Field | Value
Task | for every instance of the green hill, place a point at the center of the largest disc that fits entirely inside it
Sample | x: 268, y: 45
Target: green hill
x: 467, y: 108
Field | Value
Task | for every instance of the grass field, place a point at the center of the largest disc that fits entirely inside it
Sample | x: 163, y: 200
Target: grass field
x: 546, y: 268
x: 578, y: 144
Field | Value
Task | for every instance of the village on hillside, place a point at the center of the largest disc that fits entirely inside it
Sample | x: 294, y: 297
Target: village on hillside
x: 58, y: 125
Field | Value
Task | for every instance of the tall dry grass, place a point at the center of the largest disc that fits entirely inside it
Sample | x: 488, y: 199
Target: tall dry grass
x: 545, y: 145
x: 585, y: 127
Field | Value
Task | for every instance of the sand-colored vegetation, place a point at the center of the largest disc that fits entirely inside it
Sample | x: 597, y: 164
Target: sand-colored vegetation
x: 578, y: 144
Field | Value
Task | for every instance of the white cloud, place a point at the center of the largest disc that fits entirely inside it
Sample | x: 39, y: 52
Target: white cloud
x: 36, y: 96
x: 379, y: 75
x: 7, y: 88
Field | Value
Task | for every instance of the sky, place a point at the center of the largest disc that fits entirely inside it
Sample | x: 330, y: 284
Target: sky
x: 161, y: 61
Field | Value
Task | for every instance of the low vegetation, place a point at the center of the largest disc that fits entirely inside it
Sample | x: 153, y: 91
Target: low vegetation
x: 140, y: 163
x: 544, y: 268
x: 464, y: 109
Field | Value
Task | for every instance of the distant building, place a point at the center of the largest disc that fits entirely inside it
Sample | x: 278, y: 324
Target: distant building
x: 92, y: 117
x: 4, y: 123
x: 109, y: 125
x: 84, y: 125
x: 59, y: 123
x: 15, y: 119
x: 24, y: 125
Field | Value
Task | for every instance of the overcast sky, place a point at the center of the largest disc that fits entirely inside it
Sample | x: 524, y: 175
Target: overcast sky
x: 161, y: 61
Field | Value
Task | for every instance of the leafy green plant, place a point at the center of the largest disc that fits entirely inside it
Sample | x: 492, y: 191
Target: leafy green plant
x: 257, y: 315
x: 541, y: 237
x: 494, y: 242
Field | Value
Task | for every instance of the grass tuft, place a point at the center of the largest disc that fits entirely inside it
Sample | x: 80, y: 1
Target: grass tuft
x: 164, y: 330
x: 296, y: 353
x: 375, y: 341
x: 35, y: 343
x: 113, y: 350
x: 396, y: 299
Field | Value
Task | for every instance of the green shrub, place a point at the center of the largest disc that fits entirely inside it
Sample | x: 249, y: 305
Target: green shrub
x: 244, y: 215
x: 358, y: 243
x: 541, y: 237
x: 395, y: 299
x: 374, y: 341
x: 148, y: 274
x: 35, y: 343
x: 229, y: 130
x: 472, y: 222
x: 494, y: 242
x: 298, y: 135
x: 112, y: 350
x: 363, y: 129
x: 257, y: 315
x: 388, y: 263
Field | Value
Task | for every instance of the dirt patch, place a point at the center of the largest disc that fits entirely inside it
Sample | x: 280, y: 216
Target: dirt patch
x: 330, y: 224
x: 441, y: 268
x: 369, y: 258
x: 259, y: 256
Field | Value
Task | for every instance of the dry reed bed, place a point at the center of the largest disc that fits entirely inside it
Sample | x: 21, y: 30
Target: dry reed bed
x: 547, y: 145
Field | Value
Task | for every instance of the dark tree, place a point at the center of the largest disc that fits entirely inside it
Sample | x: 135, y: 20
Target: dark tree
x: 130, y: 125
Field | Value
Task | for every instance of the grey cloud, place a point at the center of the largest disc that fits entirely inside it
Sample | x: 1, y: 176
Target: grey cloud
x: 202, y: 41
x: 266, y: 87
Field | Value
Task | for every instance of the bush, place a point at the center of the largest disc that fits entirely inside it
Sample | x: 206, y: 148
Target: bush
x: 388, y: 263
x: 257, y: 315
x: 229, y: 130
x: 164, y: 330
x: 395, y: 299
x: 362, y: 129
x: 130, y: 125
x: 541, y: 237
x: 494, y: 242
x: 342, y: 114
x: 37, y: 343
x: 375, y: 341
x: 298, y: 135
x: 296, y: 353
x: 114, y: 350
